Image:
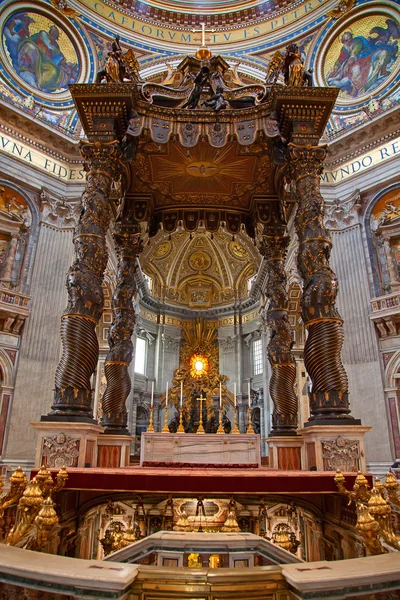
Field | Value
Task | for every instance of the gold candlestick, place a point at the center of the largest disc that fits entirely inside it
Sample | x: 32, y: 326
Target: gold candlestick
x: 165, y: 428
x: 150, y: 428
x: 180, y: 428
x: 220, y: 428
x: 200, y: 428
x: 249, y: 423
x: 236, y: 428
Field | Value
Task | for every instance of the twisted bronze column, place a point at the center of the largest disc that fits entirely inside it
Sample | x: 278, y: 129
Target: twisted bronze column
x: 329, y: 401
x: 281, y: 385
x: 73, y: 394
x: 128, y: 245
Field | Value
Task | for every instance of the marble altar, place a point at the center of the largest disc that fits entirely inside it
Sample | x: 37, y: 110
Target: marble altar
x: 207, y: 449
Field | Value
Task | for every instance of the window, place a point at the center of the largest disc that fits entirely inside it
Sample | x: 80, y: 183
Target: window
x: 140, y: 355
x: 257, y: 358
x: 149, y: 282
x: 250, y: 283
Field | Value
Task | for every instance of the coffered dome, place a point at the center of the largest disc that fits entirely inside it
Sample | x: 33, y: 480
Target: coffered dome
x: 201, y: 271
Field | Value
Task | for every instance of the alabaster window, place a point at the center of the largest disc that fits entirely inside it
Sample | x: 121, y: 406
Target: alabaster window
x: 149, y: 282
x: 140, y: 356
x: 257, y: 358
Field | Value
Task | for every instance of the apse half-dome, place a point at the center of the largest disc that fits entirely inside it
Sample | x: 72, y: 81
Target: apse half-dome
x: 202, y: 271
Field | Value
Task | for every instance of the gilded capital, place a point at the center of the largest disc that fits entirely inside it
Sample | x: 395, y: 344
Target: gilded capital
x: 274, y: 247
x: 102, y: 157
x: 306, y: 160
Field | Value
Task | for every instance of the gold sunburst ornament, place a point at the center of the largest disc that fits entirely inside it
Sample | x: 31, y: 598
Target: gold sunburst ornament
x: 199, y: 365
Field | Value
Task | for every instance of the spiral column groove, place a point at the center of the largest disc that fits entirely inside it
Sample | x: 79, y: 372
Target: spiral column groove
x: 128, y: 246
x: 322, y: 353
x: 73, y: 394
x: 281, y: 387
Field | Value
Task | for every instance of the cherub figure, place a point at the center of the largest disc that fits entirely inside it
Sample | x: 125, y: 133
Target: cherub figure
x: 217, y: 101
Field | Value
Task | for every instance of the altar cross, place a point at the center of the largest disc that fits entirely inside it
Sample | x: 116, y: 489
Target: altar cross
x: 203, y: 31
x: 200, y: 428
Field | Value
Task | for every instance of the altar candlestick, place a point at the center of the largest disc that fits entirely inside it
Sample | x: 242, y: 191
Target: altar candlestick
x: 165, y: 429
x: 235, y: 412
x: 220, y: 427
x: 181, y: 429
x: 249, y: 394
x: 152, y: 394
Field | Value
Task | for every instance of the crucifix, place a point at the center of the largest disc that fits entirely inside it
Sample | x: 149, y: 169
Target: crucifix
x: 203, y: 31
x: 200, y: 428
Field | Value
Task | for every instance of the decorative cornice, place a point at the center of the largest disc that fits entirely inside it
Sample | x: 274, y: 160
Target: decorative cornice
x: 37, y: 134
x: 355, y: 142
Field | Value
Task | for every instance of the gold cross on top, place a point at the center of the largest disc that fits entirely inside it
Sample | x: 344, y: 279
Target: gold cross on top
x: 203, y: 31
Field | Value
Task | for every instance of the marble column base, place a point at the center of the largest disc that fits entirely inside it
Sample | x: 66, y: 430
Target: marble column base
x: 200, y: 449
x: 113, y: 451
x: 66, y: 444
x: 332, y: 447
x: 286, y: 452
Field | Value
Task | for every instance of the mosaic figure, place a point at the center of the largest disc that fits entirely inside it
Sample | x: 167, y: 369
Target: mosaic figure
x: 40, y: 52
x: 366, y: 57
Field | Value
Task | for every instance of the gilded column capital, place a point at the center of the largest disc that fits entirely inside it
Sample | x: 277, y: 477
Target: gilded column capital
x: 306, y: 161
x: 102, y: 157
x: 274, y: 247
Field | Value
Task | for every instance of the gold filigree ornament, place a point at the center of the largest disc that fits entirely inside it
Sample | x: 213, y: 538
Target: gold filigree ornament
x: 374, y: 511
x: 199, y: 366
